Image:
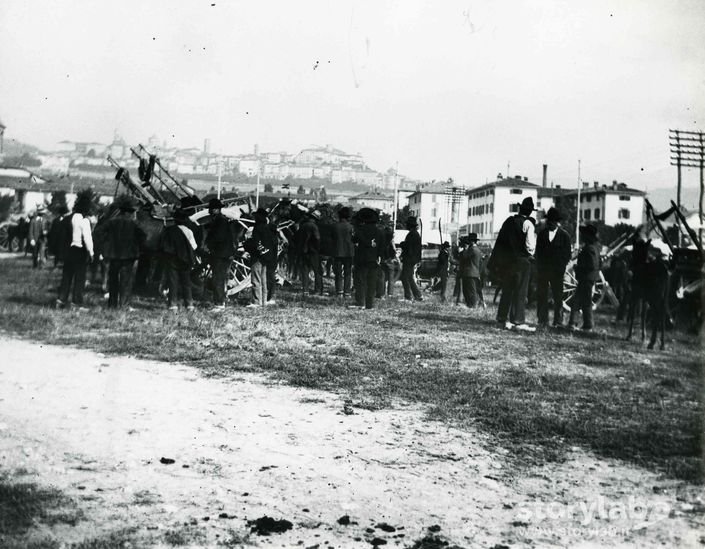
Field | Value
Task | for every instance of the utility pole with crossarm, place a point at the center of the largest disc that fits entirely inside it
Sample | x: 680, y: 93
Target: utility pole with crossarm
x: 688, y: 149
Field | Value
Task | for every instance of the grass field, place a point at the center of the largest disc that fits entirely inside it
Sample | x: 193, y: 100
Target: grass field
x: 536, y: 394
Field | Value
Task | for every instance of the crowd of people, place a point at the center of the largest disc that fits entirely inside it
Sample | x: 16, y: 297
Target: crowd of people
x: 365, y: 263
x: 519, y: 251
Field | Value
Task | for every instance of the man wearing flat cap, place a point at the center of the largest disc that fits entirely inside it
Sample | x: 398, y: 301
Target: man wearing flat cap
x: 510, y: 262
x: 552, y: 255
x: 38, y: 233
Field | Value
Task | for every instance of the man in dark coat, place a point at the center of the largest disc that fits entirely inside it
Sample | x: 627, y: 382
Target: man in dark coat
x: 308, y: 244
x: 38, y: 233
x: 220, y: 243
x: 587, y: 272
x: 552, y: 255
x: 121, y: 240
x: 177, y: 245
x: 410, y: 257
x: 58, y: 235
x: 262, y: 248
x: 344, y: 250
x: 469, y: 264
x: 511, y: 262
x: 442, y: 265
x: 369, y: 241
x: 273, y: 264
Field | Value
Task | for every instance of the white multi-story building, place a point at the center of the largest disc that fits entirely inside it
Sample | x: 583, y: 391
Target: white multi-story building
x: 373, y: 199
x: 491, y: 204
x: 612, y: 205
x: 434, y: 204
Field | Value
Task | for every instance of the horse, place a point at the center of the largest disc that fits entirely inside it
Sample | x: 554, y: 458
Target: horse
x: 649, y: 286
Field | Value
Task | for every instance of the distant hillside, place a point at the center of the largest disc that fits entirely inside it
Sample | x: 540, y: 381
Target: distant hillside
x: 661, y: 198
x: 12, y: 147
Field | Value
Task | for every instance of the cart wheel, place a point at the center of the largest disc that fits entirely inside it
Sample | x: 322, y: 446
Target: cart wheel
x: 238, y: 276
x: 570, y: 284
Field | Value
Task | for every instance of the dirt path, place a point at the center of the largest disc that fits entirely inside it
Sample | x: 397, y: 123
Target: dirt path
x: 96, y: 428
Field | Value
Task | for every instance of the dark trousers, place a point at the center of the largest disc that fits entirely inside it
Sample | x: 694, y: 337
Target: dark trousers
x: 258, y: 278
x: 74, y: 274
x: 443, y: 286
x: 379, y: 283
x: 366, y: 288
x: 219, y: 266
x: 178, y: 279
x: 342, y: 267
x: 471, y: 290
x: 39, y: 253
x: 271, y: 280
x: 458, y: 288
x: 554, y: 279
x: 408, y: 281
x: 312, y: 262
x: 515, y: 286
x: 582, y: 300
x: 120, y: 273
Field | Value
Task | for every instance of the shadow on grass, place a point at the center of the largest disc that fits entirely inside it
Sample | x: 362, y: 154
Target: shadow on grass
x: 22, y: 505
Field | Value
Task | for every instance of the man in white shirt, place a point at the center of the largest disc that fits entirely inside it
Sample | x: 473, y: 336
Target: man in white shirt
x: 79, y: 253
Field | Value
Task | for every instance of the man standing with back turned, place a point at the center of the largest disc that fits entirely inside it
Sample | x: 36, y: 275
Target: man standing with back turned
x: 512, y: 256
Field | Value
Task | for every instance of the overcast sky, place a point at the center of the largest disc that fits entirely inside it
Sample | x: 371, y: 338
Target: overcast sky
x: 446, y: 89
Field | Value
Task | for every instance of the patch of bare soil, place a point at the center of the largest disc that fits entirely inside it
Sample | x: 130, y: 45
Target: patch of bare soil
x: 173, y: 458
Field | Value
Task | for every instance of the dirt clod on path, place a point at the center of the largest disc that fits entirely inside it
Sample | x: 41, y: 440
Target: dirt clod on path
x: 264, y: 526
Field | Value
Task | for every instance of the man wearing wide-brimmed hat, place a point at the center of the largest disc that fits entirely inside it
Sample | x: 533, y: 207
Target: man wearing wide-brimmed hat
x: 510, y: 262
x: 220, y: 244
x: 442, y: 264
x: 120, y: 240
x: 469, y: 264
x: 262, y: 247
x: 369, y: 245
x: 79, y: 252
x: 410, y: 257
x: 308, y: 240
x: 553, y: 250
x: 177, y: 245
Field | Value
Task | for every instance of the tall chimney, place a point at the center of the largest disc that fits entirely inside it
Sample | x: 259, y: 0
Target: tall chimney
x: 545, y: 169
